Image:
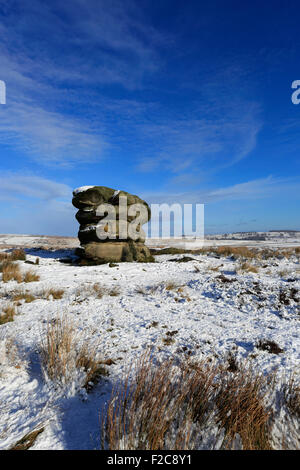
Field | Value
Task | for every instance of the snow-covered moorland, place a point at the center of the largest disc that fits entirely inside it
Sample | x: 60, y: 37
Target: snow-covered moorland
x: 188, y: 307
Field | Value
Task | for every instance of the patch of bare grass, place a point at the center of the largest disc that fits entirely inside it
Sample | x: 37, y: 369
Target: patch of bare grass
x: 171, y: 285
x: 18, y: 254
x: 248, y: 268
x: 241, y: 409
x: 214, y: 268
x: 170, y: 407
x: 30, y: 276
x: 292, y: 395
x: 10, y: 354
x: 55, y: 294
x: 4, y: 256
x: 100, y: 291
x: 140, y: 290
x: 28, y: 440
x: 169, y: 251
x: 167, y: 341
x: 67, y: 357
x: 14, y: 255
x: 237, y: 252
x: 153, y: 324
x: 93, y: 368
x: 7, y: 314
x: 269, y: 346
x: 26, y: 296
x: 11, y: 272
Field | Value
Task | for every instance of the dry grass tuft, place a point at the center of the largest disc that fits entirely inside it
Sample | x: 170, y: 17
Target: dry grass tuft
x: 93, y: 368
x: 237, y: 252
x: 168, y: 340
x: 18, y: 254
x: 247, y: 267
x: 11, y: 272
x: 10, y: 354
x: 28, y: 440
x: 269, y: 346
x: 4, y: 256
x: 137, y: 412
x: 113, y: 291
x: 30, y: 276
x: 172, y: 286
x: 241, y: 409
x: 170, y: 407
x: 15, y: 255
x: 57, y: 349
x: 64, y: 357
x: 214, y: 268
x: 56, y: 294
x: 292, y: 395
x: 140, y: 290
x: 24, y: 296
x: 7, y: 314
x: 100, y: 291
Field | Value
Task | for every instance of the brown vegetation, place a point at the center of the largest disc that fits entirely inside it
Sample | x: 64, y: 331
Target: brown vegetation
x: 23, y: 296
x: 269, y: 346
x: 28, y: 440
x: 168, y: 407
x: 63, y: 354
x: 237, y: 252
x: 30, y: 276
x: 247, y: 267
x: 292, y: 395
x: 100, y: 291
x: 14, y: 255
x: 7, y: 314
x: 11, y: 271
x: 56, y: 294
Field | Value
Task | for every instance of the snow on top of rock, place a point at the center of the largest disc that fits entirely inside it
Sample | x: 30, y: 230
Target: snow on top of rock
x: 82, y: 189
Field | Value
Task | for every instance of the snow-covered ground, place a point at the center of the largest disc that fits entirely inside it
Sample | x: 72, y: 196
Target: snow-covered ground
x: 215, y: 312
x: 282, y: 239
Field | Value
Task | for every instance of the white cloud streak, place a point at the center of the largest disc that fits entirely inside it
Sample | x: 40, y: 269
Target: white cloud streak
x: 17, y: 186
x: 80, y: 45
x: 251, y: 190
x: 201, y: 142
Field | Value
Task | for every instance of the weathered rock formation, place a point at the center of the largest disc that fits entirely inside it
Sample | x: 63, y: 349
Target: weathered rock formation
x: 111, y: 225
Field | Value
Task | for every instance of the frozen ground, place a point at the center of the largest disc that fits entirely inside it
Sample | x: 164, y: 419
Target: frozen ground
x: 215, y: 312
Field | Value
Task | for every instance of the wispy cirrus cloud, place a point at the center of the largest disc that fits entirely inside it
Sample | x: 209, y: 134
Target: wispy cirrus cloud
x: 219, y: 129
x: 260, y: 188
x: 48, y: 136
x: 35, y: 205
x: 95, y: 41
x: 14, y: 186
x: 56, y: 111
x: 54, y: 68
x: 222, y: 140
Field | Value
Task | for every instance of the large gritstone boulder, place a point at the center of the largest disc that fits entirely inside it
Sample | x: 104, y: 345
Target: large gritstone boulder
x: 111, y: 224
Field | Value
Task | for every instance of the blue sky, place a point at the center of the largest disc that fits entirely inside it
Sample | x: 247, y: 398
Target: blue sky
x: 177, y: 101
